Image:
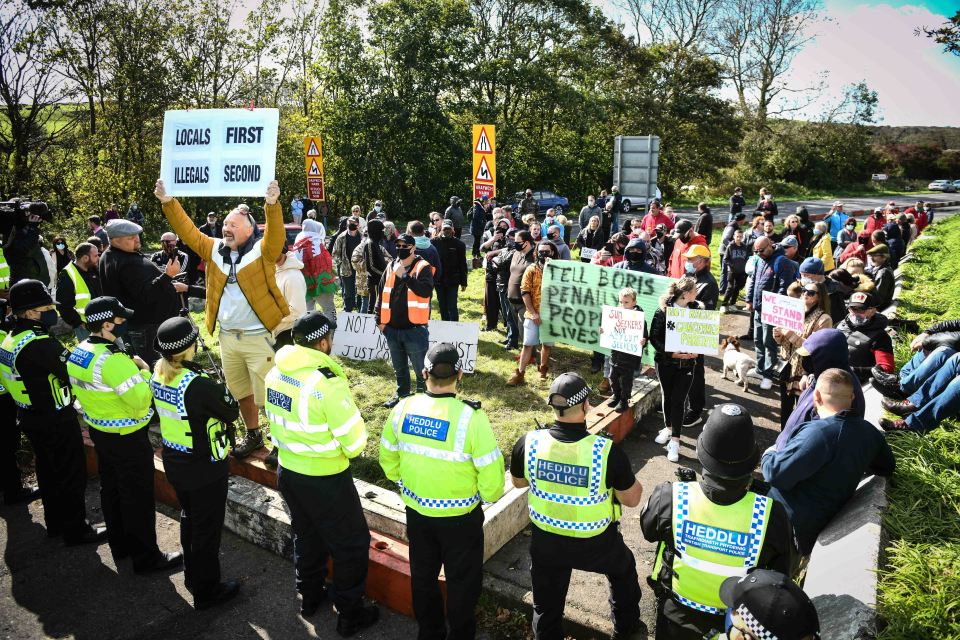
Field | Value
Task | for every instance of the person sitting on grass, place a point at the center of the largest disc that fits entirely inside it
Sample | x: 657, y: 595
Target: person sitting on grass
x: 931, y: 350
x: 818, y: 469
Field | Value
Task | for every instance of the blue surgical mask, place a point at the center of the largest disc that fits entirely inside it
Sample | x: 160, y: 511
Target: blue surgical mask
x: 689, y: 269
x: 49, y: 318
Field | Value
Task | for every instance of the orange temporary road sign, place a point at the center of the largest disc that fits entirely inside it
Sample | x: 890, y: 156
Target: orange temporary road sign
x: 313, y: 155
x: 484, y: 160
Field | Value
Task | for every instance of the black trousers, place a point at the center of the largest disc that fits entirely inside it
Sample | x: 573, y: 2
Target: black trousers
x: 621, y: 382
x: 141, y: 337
x: 126, y: 495
x: 10, y: 480
x: 456, y: 543
x: 477, y: 237
x: 554, y: 558
x: 735, y: 284
x: 675, y: 385
x: 61, y: 471
x: 787, y: 402
x: 491, y: 305
x: 697, y: 398
x: 327, y: 520
x: 201, y: 524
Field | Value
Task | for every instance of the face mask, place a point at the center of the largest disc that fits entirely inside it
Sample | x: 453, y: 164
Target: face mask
x: 689, y: 269
x: 511, y: 244
x: 818, y: 232
x: 851, y: 227
x: 119, y: 330
x: 659, y: 234
x: 403, y: 253
x: 635, y: 256
x: 806, y: 281
x: 49, y: 318
x: 543, y: 257
x: 377, y: 209
x: 352, y: 227
x: 61, y: 246
x: 857, y: 321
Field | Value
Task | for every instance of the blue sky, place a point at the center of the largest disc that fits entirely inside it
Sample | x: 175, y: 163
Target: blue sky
x: 917, y: 83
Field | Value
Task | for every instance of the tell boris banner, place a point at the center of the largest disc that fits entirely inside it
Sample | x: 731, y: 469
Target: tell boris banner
x: 358, y: 338
x: 573, y: 295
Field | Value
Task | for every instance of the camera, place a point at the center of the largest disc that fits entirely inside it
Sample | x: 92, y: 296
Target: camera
x: 17, y: 210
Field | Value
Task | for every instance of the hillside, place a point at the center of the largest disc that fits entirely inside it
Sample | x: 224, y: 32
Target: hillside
x: 942, y: 137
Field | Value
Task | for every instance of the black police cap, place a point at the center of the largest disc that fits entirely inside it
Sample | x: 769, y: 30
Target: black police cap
x: 105, y: 308
x: 442, y: 360
x: 175, y: 335
x: 568, y: 390
x: 771, y: 605
x: 312, y: 326
x: 29, y: 294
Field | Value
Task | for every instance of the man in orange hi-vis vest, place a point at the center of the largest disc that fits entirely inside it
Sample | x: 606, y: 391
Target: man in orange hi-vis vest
x: 403, y: 312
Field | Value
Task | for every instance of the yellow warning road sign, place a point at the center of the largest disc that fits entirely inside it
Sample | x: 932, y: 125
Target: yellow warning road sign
x: 484, y: 160
x: 313, y: 152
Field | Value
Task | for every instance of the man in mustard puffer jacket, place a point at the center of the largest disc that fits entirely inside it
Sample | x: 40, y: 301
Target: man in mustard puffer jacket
x: 242, y: 295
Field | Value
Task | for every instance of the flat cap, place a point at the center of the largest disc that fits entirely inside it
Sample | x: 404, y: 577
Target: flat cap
x: 120, y: 228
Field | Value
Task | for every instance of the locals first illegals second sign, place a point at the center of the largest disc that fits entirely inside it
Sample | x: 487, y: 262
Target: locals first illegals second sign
x: 219, y: 152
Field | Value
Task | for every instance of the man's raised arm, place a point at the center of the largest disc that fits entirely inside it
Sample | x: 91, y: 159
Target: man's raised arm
x: 274, y: 236
x: 182, y: 225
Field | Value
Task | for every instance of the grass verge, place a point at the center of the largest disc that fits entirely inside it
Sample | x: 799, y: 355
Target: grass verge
x: 919, y: 591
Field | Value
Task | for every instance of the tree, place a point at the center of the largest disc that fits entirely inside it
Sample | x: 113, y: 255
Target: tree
x: 31, y: 94
x: 757, y: 42
x: 948, y: 34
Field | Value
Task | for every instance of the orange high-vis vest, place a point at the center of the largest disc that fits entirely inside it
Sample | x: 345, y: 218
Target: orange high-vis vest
x: 418, y: 308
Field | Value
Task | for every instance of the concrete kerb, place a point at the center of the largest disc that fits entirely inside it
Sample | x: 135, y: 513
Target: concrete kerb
x: 842, y: 575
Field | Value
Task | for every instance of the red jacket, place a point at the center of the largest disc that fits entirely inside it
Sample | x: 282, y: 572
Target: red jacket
x: 649, y: 222
x: 873, y: 223
x: 677, y: 264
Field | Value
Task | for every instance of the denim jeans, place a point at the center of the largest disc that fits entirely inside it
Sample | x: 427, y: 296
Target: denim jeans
x: 509, y: 319
x: 938, y: 397
x: 408, y: 345
x: 348, y: 289
x: 921, y: 367
x: 447, y: 301
x: 764, y: 345
x: 723, y: 276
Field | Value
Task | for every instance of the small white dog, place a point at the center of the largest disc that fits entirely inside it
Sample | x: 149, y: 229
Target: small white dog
x: 736, y: 361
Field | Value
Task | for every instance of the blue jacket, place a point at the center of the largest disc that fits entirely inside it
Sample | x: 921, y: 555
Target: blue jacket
x: 835, y: 222
x: 819, y: 470
x: 775, y: 273
x: 894, y: 243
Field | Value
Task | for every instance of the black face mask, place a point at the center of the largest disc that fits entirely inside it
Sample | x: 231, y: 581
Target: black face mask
x: 659, y: 234
x: 352, y: 227
x: 511, y: 244
x: 403, y: 253
x: 634, y: 256
x: 543, y: 256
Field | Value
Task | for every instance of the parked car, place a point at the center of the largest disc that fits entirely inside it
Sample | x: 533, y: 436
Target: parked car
x: 956, y: 184
x: 945, y: 186
x: 545, y: 200
x: 291, y: 229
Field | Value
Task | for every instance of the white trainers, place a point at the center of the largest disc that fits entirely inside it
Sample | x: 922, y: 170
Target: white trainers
x: 766, y: 384
x: 664, y: 436
x: 673, y: 450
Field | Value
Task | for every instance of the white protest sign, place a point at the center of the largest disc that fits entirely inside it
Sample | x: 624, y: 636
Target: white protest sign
x: 783, y: 311
x: 219, y: 152
x: 587, y: 254
x: 622, y: 329
x: 692, y: 331
x: 358, y: 338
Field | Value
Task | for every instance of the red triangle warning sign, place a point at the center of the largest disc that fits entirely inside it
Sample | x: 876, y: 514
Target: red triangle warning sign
x: 313, y: 152
x: 483, y: 143
x: 314, y: 169
x: 483, y: 172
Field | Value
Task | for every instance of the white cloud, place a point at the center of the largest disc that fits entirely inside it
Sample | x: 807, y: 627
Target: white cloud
x: 917, y: 83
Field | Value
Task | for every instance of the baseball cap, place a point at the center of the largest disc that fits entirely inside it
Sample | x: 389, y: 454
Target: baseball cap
x: 789, y: 241
x: 697, y: 251
x: 568, y: 390
x: 105, y: 308
x: 408, y: 239
x: 312, y: 326
x: 683, y: 226
x: 861, y: 300
x: 442, y: 360
x: 771, y: 605
x: 812, y: 265
x: 447, y: 223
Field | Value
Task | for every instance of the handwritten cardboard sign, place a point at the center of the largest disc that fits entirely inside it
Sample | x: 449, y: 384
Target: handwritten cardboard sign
x: 783, y: 311
x: 622, y: 330
x: 358, y: 338
x: 219, y: 152
x: 692, y: 331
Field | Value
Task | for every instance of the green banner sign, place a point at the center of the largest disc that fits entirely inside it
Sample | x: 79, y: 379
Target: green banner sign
x: 573, y: 294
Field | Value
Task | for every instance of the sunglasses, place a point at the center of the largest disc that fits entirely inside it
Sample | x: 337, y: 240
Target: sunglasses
x: 402, y: 246
x: 810, y: 293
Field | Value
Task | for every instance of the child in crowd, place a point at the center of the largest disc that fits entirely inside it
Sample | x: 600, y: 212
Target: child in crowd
x: 735, y: 263
x: 624, y: 366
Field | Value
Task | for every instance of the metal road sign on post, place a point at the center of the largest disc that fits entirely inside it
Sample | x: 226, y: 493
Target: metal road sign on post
x: 313, y: 153
x: 484, y: 160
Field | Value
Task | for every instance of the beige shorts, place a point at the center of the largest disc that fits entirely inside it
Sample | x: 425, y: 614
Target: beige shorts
x: 246, y: 361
